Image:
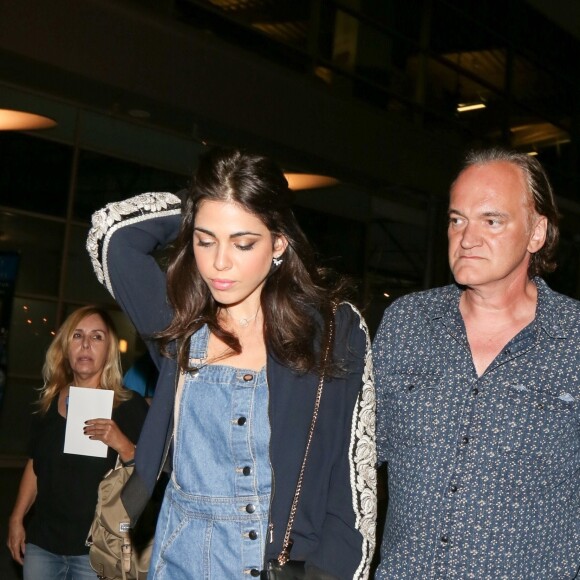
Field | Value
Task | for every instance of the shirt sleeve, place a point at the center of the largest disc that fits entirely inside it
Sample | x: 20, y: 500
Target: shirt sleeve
x: 348, y: 536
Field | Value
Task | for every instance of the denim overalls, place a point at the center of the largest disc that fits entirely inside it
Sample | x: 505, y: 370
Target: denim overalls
x: 214, y: 518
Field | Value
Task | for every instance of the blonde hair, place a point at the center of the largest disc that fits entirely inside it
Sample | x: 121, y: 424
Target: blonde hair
x: 57, y: 372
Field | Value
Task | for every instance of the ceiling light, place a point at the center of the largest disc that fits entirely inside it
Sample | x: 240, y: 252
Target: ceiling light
x: 532, y: 153
x: 463, y: 107
x: 298, y: 181
x: 11, y: 120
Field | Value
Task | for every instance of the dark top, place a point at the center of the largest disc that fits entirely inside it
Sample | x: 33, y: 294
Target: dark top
x: 67, y: 483
x: 334, y: 528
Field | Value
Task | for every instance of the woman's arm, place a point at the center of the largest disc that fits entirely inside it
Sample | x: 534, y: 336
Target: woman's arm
x: 24, y: 501
x: 347, y: 542
x: 121, y: 243
x: 121, y: 433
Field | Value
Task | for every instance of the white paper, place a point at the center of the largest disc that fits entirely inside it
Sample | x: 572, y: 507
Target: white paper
x: 84, y: 404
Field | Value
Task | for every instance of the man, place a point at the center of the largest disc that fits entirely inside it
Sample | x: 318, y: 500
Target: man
x: 478, y: 388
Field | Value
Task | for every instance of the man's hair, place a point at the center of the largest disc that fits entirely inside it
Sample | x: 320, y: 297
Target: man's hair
x: 540, y: 194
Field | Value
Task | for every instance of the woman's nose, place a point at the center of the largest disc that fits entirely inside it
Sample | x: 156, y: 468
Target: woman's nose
x: 222, y: 259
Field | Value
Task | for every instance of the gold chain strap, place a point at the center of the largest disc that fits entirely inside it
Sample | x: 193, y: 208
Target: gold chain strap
x: 284, y: 555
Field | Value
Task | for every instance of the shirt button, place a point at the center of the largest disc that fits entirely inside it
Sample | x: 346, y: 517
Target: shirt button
x: 247, y: 470
x: 250, y: 508
x: 474, y: 391
x: 411, y: 387
x: 253, y: 535
x: 464, y: 440
x: 242, y: 421
x: 444, y: 539
x: 248, y: 377
x: 453, y: 488
x: 254, y: 572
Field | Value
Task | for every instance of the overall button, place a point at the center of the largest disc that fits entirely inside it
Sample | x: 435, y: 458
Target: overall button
x: 247, y: 470
x: 248, y: 377
x: 253, y: 535
x: 242, y: 421
x: 250, y: 508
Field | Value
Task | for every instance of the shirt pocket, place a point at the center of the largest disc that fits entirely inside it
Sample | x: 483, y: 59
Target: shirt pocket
x: 412, y: 409
x: 540, y: 437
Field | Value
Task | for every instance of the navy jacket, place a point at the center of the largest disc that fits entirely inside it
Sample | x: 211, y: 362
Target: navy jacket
x: 334, y: 527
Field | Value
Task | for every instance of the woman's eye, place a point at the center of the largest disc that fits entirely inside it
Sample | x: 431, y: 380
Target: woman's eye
x: 245, y: 247
x: 204, y: 243
x: 97, y: 337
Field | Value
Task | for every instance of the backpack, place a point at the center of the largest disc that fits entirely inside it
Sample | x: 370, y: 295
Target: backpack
x: 115, y: 550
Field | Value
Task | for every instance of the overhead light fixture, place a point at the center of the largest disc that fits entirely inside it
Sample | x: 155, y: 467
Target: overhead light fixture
x: 532, y: 153
x: 464, y: 107
x: 11, y: 120
x: 298, y: 181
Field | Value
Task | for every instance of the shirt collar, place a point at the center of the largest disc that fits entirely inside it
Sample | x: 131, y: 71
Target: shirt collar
x: 445, y: 304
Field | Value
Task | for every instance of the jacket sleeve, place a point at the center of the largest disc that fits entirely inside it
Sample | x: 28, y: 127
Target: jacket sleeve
x: 347, y: 545
x: 121, y: 243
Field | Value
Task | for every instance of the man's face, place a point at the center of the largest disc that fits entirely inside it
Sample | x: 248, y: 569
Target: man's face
x: 492, y: 227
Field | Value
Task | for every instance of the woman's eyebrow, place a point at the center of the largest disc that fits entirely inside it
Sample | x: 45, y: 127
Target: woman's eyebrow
x: 234, y: 235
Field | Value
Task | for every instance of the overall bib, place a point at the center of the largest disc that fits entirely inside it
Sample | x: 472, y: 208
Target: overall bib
x: 214, y: 518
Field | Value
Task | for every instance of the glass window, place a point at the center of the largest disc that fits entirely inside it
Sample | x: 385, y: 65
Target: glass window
x: 39, y: 243
x: 102, y: 179
x: 31, y: 331
x: 339, y: 241
x: 34, y: 173
x: 16, y: 415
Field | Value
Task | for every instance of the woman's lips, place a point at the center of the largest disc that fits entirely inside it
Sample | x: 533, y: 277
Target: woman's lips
x: 219, y: 284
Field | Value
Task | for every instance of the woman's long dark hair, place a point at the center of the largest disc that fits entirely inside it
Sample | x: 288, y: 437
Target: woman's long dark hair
x: 293, y: 291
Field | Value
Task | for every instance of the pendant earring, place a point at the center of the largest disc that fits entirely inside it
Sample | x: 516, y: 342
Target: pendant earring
x: 277, y: 261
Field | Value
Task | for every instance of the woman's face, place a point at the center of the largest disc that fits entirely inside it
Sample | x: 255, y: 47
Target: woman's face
x: 87, y: 351
x: 233, y: 250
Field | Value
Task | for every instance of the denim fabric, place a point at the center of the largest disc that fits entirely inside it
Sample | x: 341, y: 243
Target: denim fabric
x: 214, y: 517
x: 483, y: 471
x: 40, y: 564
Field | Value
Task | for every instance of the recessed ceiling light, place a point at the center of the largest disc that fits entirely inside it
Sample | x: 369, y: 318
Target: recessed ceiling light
x: 464, y: 107
x: 309, y: 181
x: 12, y: 120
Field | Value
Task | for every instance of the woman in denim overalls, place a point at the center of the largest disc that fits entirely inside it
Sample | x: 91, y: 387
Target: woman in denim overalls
x: 249, y: 312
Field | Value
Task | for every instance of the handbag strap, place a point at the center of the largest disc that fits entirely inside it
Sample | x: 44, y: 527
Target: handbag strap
x: 284, y: 555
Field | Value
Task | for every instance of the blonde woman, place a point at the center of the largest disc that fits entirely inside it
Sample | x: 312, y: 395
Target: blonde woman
x: 63, y: 486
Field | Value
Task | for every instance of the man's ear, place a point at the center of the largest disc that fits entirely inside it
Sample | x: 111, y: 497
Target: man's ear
x: 538, y: 236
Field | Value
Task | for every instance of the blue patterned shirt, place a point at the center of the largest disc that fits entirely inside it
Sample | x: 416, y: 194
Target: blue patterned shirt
x: 483, y: 472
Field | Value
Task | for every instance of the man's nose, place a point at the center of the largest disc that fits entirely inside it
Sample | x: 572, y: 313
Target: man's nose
x: 470, y: 236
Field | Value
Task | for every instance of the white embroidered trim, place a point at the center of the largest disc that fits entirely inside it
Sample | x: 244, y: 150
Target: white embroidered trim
x: 363, y: 459
x: 121, y: 213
